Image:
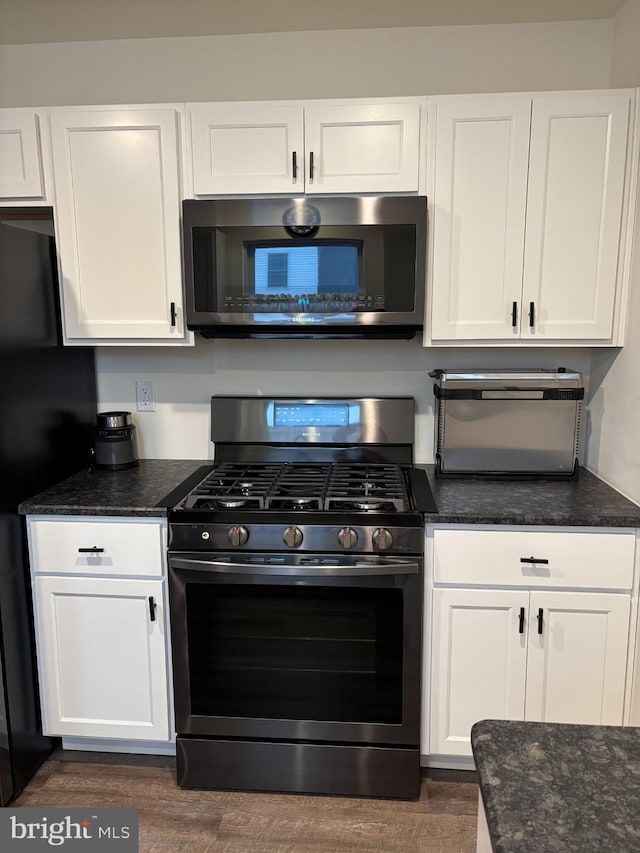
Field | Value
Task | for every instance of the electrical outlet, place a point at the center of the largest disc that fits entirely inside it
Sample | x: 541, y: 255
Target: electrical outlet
x: 145, y: 396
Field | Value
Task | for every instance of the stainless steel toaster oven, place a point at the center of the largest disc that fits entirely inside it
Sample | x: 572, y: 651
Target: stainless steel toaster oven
x: 507, y: 423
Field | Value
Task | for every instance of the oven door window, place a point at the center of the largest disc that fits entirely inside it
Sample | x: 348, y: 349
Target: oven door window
x: 295, y: 652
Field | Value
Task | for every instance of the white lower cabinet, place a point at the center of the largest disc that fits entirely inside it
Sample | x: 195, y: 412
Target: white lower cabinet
x: 102, y: 657
x: 479, y: 664
x: 100, y: 605
x: 525, y: 653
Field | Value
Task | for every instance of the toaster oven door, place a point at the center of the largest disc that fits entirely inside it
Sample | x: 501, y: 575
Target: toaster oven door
x: 509, y: 433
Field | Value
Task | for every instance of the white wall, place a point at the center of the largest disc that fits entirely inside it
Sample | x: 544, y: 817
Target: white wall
x: 613, y: 449
x: 186, y: 380
x: 321, y: 64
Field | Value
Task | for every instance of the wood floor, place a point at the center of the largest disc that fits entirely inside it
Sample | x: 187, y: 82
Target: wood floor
x: 177, y: 821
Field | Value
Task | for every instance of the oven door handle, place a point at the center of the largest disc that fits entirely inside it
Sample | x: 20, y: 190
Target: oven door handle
x: 308, y: 571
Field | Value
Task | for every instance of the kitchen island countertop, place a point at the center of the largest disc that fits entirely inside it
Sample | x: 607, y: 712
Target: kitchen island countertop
x: 559, y: 788
x: 150, y: 489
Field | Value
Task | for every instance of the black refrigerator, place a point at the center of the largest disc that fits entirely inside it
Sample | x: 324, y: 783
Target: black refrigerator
x: 47, y: 412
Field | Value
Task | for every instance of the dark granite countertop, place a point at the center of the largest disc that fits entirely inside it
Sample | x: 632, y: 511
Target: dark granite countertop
x: 550, y: 787
x: 587, y: 501
x: 142, y: 490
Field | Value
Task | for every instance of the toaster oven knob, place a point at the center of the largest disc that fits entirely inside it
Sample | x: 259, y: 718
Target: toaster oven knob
x: 238, y: 534
x: 347, y: 537
x: 382, y: 539
x: 292, y: 536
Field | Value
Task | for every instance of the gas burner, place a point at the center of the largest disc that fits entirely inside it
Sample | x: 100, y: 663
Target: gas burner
x: 367, y: 504
x: 230, y: 503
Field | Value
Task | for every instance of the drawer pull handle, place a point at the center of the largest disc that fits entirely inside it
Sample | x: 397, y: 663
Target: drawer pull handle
x: 540, y: 560
x: 152, y: 609
x: 540, y: 623
x: 94, y: 550
x: 521, y: 621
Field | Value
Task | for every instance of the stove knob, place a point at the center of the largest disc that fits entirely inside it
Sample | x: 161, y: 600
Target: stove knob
x: 382, y: 539
x: 238, y: 535
x: 205, y: 534
x: 347, y: 537
x: 292, y: 536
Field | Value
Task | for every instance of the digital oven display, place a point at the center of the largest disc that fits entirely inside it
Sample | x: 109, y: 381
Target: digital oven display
x: 311, y: 415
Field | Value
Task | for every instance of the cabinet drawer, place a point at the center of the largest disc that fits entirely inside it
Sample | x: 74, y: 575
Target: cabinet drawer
x: 583, y: 560
x: 97, y: 547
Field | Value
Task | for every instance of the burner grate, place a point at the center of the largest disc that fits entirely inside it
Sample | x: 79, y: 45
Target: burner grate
x: 299, y: 486
x: 367, y: 487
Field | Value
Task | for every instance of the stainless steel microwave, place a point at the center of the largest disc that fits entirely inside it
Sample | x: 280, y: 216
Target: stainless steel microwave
x: 320, y: 267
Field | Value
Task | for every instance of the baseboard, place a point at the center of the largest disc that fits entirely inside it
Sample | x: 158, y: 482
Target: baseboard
x: 448, y: 762
x: 140, y: 747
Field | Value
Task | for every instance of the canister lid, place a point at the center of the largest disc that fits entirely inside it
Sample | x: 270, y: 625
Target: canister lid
x: 113, y: 420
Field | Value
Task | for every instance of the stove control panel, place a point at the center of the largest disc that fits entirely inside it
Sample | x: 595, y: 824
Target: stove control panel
x: 292, y: 536
x: 382, y: 539
x: 283, y: 537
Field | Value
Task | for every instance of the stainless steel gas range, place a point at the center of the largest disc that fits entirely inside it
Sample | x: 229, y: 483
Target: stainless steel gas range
x: 296, y: 574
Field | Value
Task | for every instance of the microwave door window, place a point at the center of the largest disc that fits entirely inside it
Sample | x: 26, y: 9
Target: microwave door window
x: 304, y: 277
x: 264, y: 273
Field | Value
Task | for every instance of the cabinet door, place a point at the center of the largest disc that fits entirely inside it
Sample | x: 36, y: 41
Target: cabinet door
x: 478, y: 663
x: 367, y: 148
x: 247, y: 148
x: 118, y: 223
x: 576, y: 665
x: 102, y: 661
x: 20, y: 162
x: 478, y: 213
x: 574, y: 209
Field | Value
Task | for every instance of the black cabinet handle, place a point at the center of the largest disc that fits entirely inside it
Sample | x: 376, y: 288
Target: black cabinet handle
x: 173, y: 314
x: 152, y: 609
x: 540, y: 620
x: 521, y: 621
x: 541, y: 560
x: 94, y: 550
x: 532, y: 314
x: 294, y: 164
x: 514, y: 315
x: 311, y: 165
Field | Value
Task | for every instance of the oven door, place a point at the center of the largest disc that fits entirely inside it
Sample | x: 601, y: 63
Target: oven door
x: 298, y: 647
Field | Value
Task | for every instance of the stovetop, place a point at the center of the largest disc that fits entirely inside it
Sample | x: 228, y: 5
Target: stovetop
x: 302, y: 487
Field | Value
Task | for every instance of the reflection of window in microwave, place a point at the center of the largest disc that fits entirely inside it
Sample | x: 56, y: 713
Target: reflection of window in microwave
x: 306, y: 269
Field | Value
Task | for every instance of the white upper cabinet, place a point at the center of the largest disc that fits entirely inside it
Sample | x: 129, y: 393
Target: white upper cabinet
x: 247, y: 148
x: 528, y: 196
x: 118, y: 198
x: 21, y: 161
x: 290, y: 148
x: 362, y: 148
x: 574, y: 212
x: 478, y: 210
